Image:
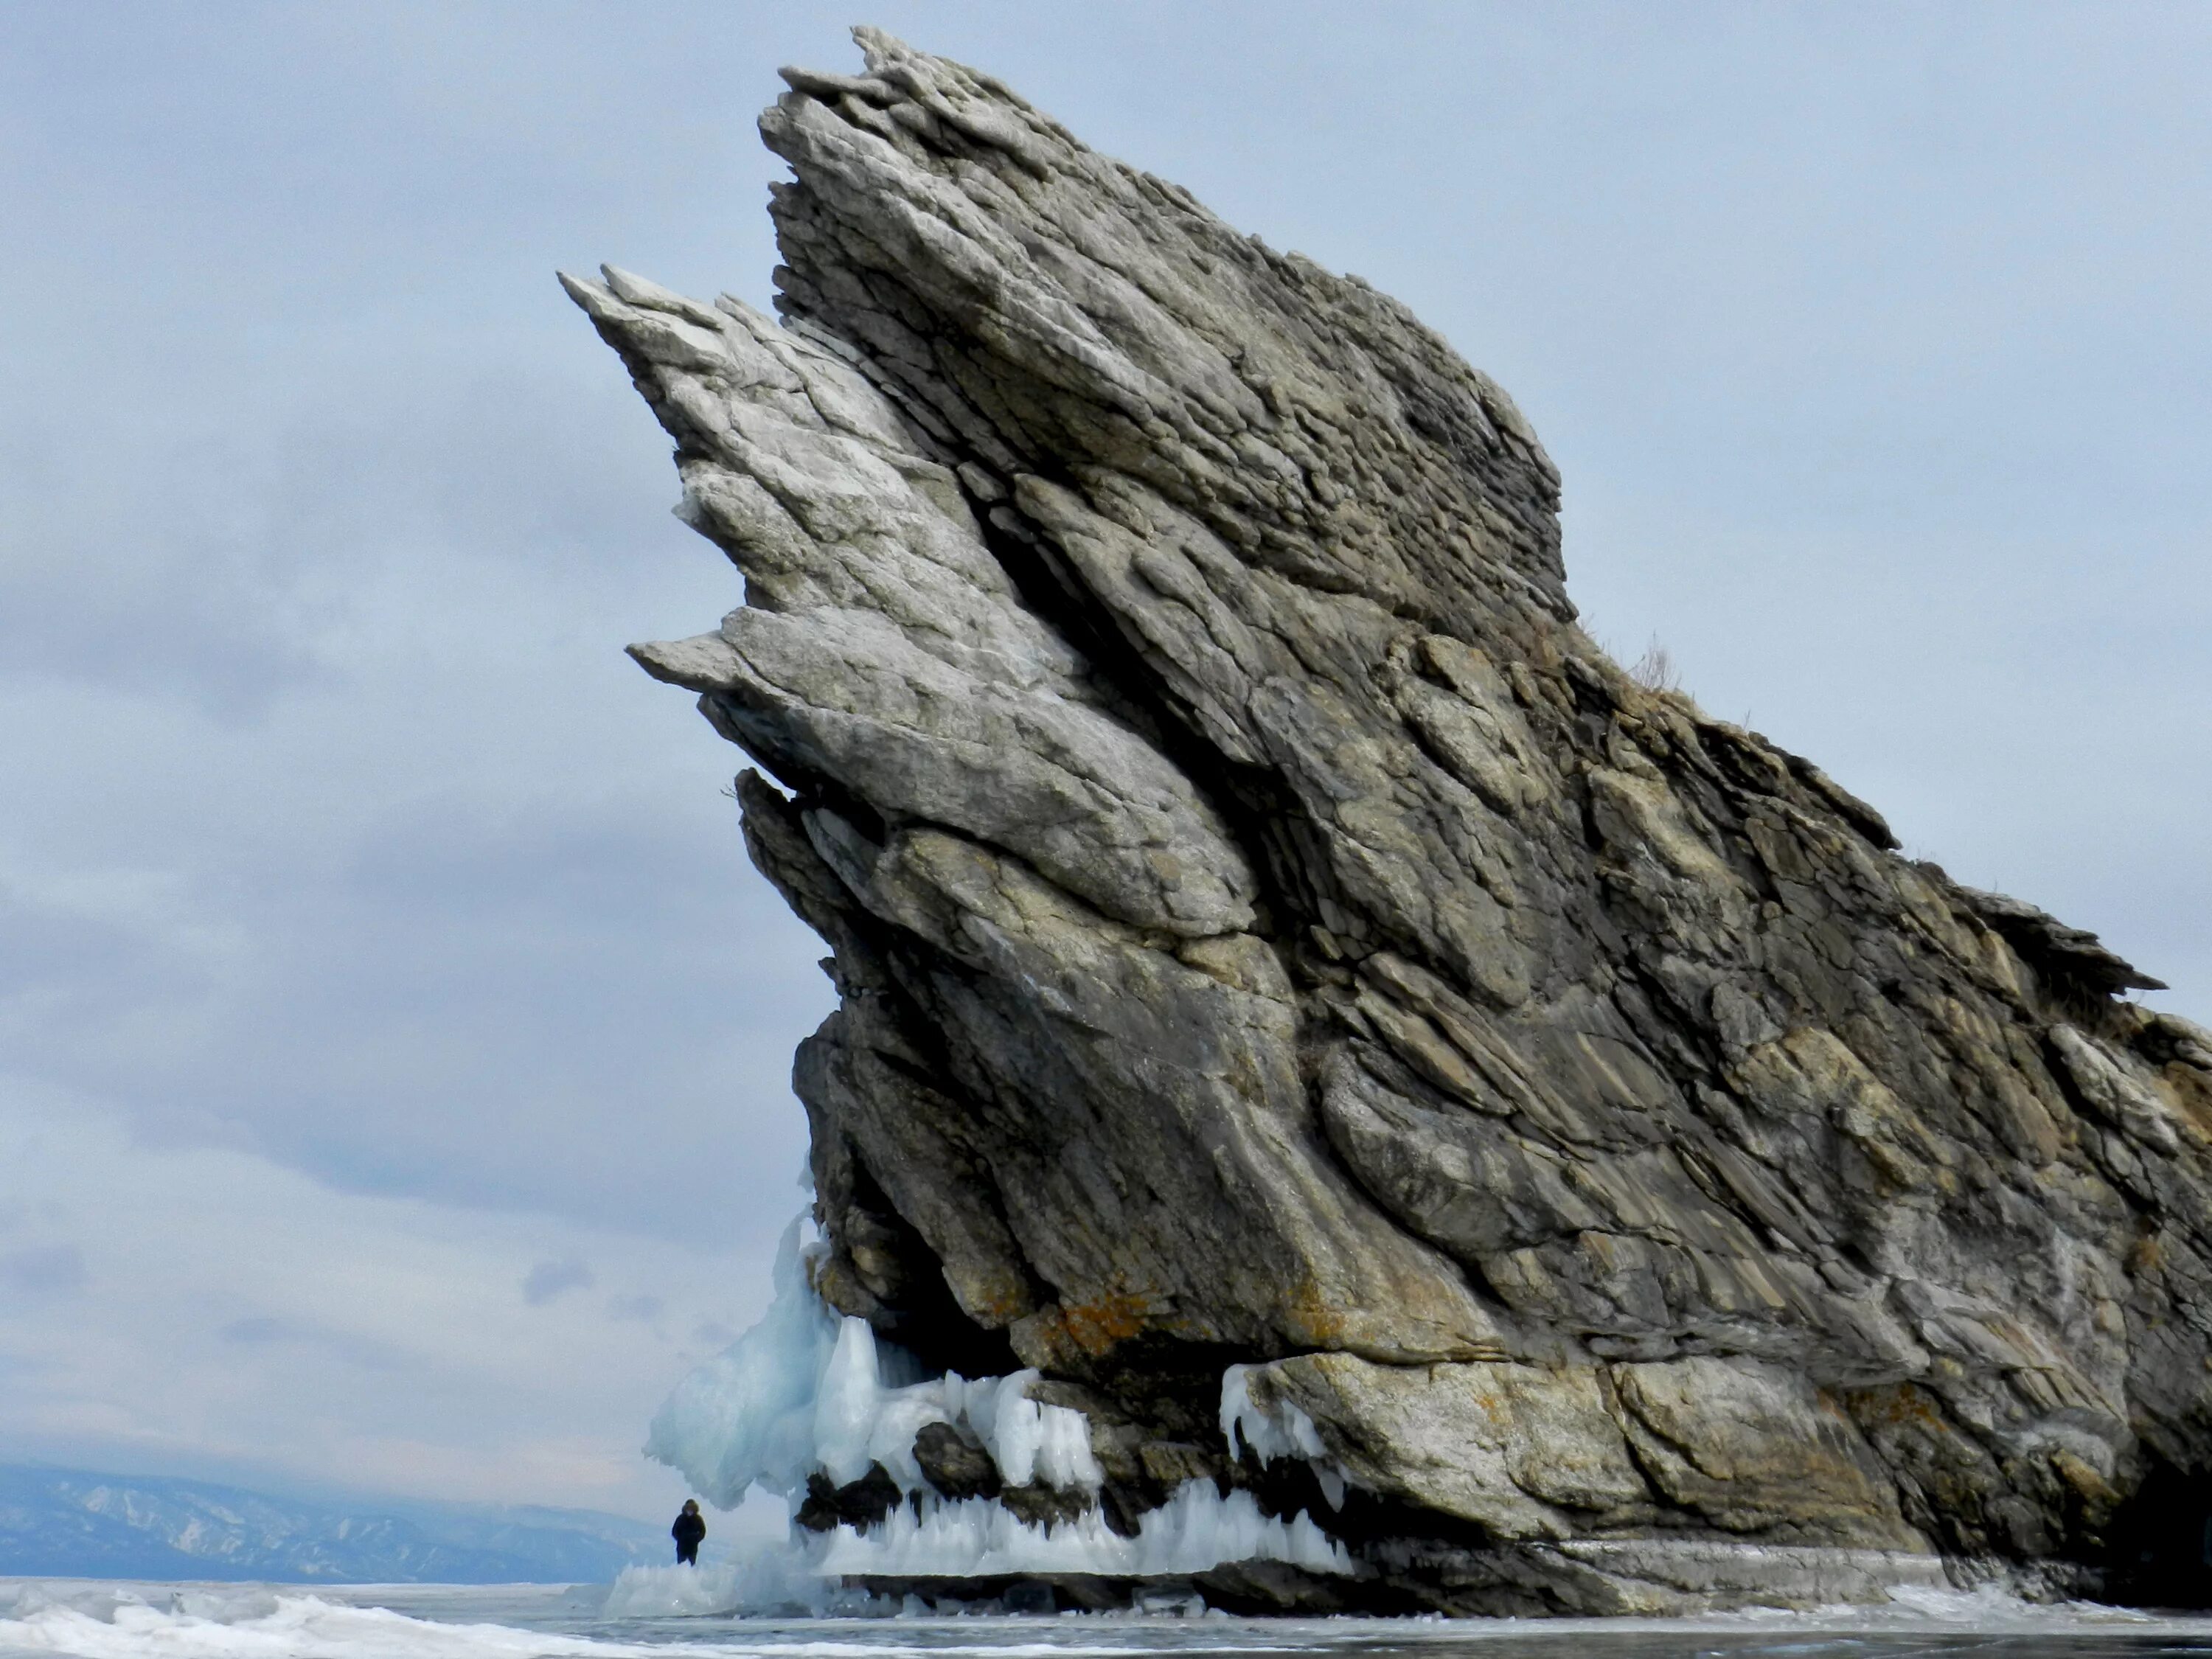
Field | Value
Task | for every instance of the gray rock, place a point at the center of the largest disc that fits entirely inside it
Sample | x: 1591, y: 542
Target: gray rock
x: 955, y: 1464
x: 1270, y: 931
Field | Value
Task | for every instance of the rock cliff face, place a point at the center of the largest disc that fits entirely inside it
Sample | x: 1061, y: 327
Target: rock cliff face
x: 1271, y: 934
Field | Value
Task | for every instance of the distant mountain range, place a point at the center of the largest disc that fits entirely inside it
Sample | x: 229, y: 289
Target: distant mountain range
x: 75, y: 1523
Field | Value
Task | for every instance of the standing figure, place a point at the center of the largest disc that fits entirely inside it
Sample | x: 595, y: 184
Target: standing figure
x: 691, y: 1527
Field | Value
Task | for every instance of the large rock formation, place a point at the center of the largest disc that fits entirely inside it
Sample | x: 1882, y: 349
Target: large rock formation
x: 1271, y: 934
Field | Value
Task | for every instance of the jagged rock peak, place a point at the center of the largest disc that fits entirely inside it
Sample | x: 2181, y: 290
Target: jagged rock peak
x: 1270, y: 933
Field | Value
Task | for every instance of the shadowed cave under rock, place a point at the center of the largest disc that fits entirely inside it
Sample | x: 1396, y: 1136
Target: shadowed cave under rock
x: 1281, y: 955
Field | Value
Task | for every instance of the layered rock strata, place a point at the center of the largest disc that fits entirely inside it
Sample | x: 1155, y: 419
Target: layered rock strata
x: 1271, y: 934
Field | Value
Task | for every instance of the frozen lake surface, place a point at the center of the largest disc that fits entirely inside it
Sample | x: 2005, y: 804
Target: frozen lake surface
x: 114, y: 1621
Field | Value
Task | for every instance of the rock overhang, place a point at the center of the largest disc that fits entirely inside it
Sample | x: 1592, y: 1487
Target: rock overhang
x: 1271, y: 934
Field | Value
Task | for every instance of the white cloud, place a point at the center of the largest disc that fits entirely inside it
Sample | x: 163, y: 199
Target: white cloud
x: 206, y: 1304
x: 547, y: 1279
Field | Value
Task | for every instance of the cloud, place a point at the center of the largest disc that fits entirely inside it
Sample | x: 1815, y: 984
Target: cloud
x: 229, y: 1314
x: 264, y: 1328
x: 352, y: 1350
x: 547, y: 1279
x: 49, y: 1270
x: 536, y: 919
x: 644, y: 1308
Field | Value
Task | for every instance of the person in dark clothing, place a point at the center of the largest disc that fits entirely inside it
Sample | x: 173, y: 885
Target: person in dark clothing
x: 691, y: 1527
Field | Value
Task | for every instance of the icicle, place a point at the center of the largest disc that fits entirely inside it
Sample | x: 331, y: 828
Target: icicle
x: 1285, y: 1432
x: 846, y: 1401
x: 1195, y: 1530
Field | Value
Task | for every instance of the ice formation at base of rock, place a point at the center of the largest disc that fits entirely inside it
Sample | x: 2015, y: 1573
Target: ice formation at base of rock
x: 1196, y: 1530
x: 748, y: 1415
x: 804, y: 1390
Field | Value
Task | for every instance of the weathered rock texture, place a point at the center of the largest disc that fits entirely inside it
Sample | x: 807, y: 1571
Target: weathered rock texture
x: 1270, y: 931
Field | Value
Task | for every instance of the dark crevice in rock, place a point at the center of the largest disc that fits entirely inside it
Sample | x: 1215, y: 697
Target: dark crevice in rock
x: 923, y: 1316
x: 2159, y: 1548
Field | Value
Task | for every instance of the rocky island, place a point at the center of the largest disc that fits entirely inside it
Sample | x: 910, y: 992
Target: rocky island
x: 1345, y: 1097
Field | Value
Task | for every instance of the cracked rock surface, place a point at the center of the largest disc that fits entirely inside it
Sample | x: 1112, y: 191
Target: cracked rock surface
x: 1270, y: 931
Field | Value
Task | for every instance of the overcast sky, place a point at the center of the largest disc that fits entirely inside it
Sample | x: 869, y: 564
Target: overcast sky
x: 394, y: 1041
